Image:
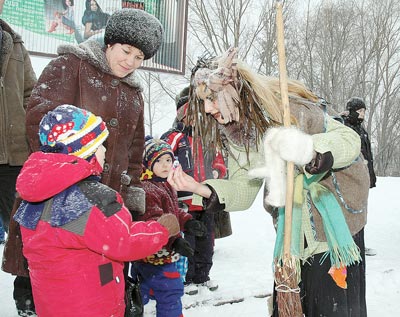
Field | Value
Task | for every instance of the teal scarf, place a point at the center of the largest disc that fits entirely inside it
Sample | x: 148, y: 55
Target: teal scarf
x: 342, y: 248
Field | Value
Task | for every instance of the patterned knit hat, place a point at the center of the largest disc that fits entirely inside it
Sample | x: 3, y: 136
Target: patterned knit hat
x: 136, y: 28
x: 71, y: 130
x: 154, y: 149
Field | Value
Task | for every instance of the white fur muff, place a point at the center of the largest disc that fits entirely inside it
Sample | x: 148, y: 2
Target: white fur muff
x: 281, y: 145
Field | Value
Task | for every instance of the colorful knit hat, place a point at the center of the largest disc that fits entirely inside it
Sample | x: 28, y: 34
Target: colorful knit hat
x: 153, y: 149
x: 71, y: 130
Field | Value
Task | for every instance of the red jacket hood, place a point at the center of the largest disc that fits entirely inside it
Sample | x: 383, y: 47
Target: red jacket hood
x: 47, y: 174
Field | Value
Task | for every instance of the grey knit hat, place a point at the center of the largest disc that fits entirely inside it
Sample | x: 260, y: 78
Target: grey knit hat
x: 135, y: 27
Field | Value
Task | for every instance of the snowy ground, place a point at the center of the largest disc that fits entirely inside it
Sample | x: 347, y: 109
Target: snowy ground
x: 243, y: 262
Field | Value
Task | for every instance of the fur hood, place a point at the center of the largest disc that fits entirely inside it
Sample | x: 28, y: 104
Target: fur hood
x: 94, y: 53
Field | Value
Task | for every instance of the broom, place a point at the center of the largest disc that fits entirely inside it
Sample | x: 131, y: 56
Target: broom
x: 288, y: 295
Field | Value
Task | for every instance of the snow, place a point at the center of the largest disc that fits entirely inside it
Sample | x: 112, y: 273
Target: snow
x: 242, y: 262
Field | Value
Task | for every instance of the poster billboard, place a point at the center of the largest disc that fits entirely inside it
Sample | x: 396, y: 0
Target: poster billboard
x: 45, y: 24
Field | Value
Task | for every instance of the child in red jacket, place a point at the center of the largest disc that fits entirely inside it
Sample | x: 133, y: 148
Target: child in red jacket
x: 76, y: 232
x: 158, y: 274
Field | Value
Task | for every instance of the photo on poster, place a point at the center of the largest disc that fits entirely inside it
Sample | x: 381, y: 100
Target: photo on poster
x: 46, y: 24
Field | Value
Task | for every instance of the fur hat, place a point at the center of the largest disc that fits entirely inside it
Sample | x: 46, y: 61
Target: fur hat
x: 355, y: 103
x: 71, y: 130
x: 136, y: 28
x: 154, y: 149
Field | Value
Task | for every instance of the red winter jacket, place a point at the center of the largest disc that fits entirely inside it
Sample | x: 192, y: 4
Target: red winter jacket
x: 76, y: 242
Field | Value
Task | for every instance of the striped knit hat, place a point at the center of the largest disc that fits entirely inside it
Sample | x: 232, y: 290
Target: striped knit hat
x: 153, y: 149
x: 71, y: 130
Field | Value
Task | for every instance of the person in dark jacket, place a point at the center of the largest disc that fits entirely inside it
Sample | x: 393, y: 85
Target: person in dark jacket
x: 158, y: 275
x: 17, y: 79
x: 76, y: 232
x: 353, y: 117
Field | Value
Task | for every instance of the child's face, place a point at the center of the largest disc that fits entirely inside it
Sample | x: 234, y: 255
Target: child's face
x: 162, y: 166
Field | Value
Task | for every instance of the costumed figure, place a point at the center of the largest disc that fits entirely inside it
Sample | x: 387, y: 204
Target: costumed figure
x: 230, y: 103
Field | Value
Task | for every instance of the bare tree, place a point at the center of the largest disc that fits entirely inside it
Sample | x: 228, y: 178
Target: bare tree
x: 158, y: 103
x: 351, y: 48
x: 338, y: 48
x: 219, y: 24
x: 384, y: 120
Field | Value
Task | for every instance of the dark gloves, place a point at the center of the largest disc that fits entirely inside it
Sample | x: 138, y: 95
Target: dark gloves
x: 195, y: 228
x: 320, y: 164
x: 182, y: 247
x: 212, y: 204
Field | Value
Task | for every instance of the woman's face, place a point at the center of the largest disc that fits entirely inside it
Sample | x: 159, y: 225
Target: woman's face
x: 162, y: 166
x: 93, y: 5
x: 210, y: 102
x: 211, y: 107
x: 123, y: 59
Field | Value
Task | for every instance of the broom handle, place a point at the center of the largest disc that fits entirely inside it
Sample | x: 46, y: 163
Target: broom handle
x: 286, y: 123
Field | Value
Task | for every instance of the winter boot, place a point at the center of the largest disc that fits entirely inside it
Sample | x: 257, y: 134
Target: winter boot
x: 133, y: 299
x: 211, y: 285
x: 23, y: 297
x: 191, y: 289
x: 53, y: 27
x: 26, y: 313
x: 370, y: 252
x: 25, y: 307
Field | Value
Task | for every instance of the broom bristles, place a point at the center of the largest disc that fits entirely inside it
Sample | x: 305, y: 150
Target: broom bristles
x: 287, y: 289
